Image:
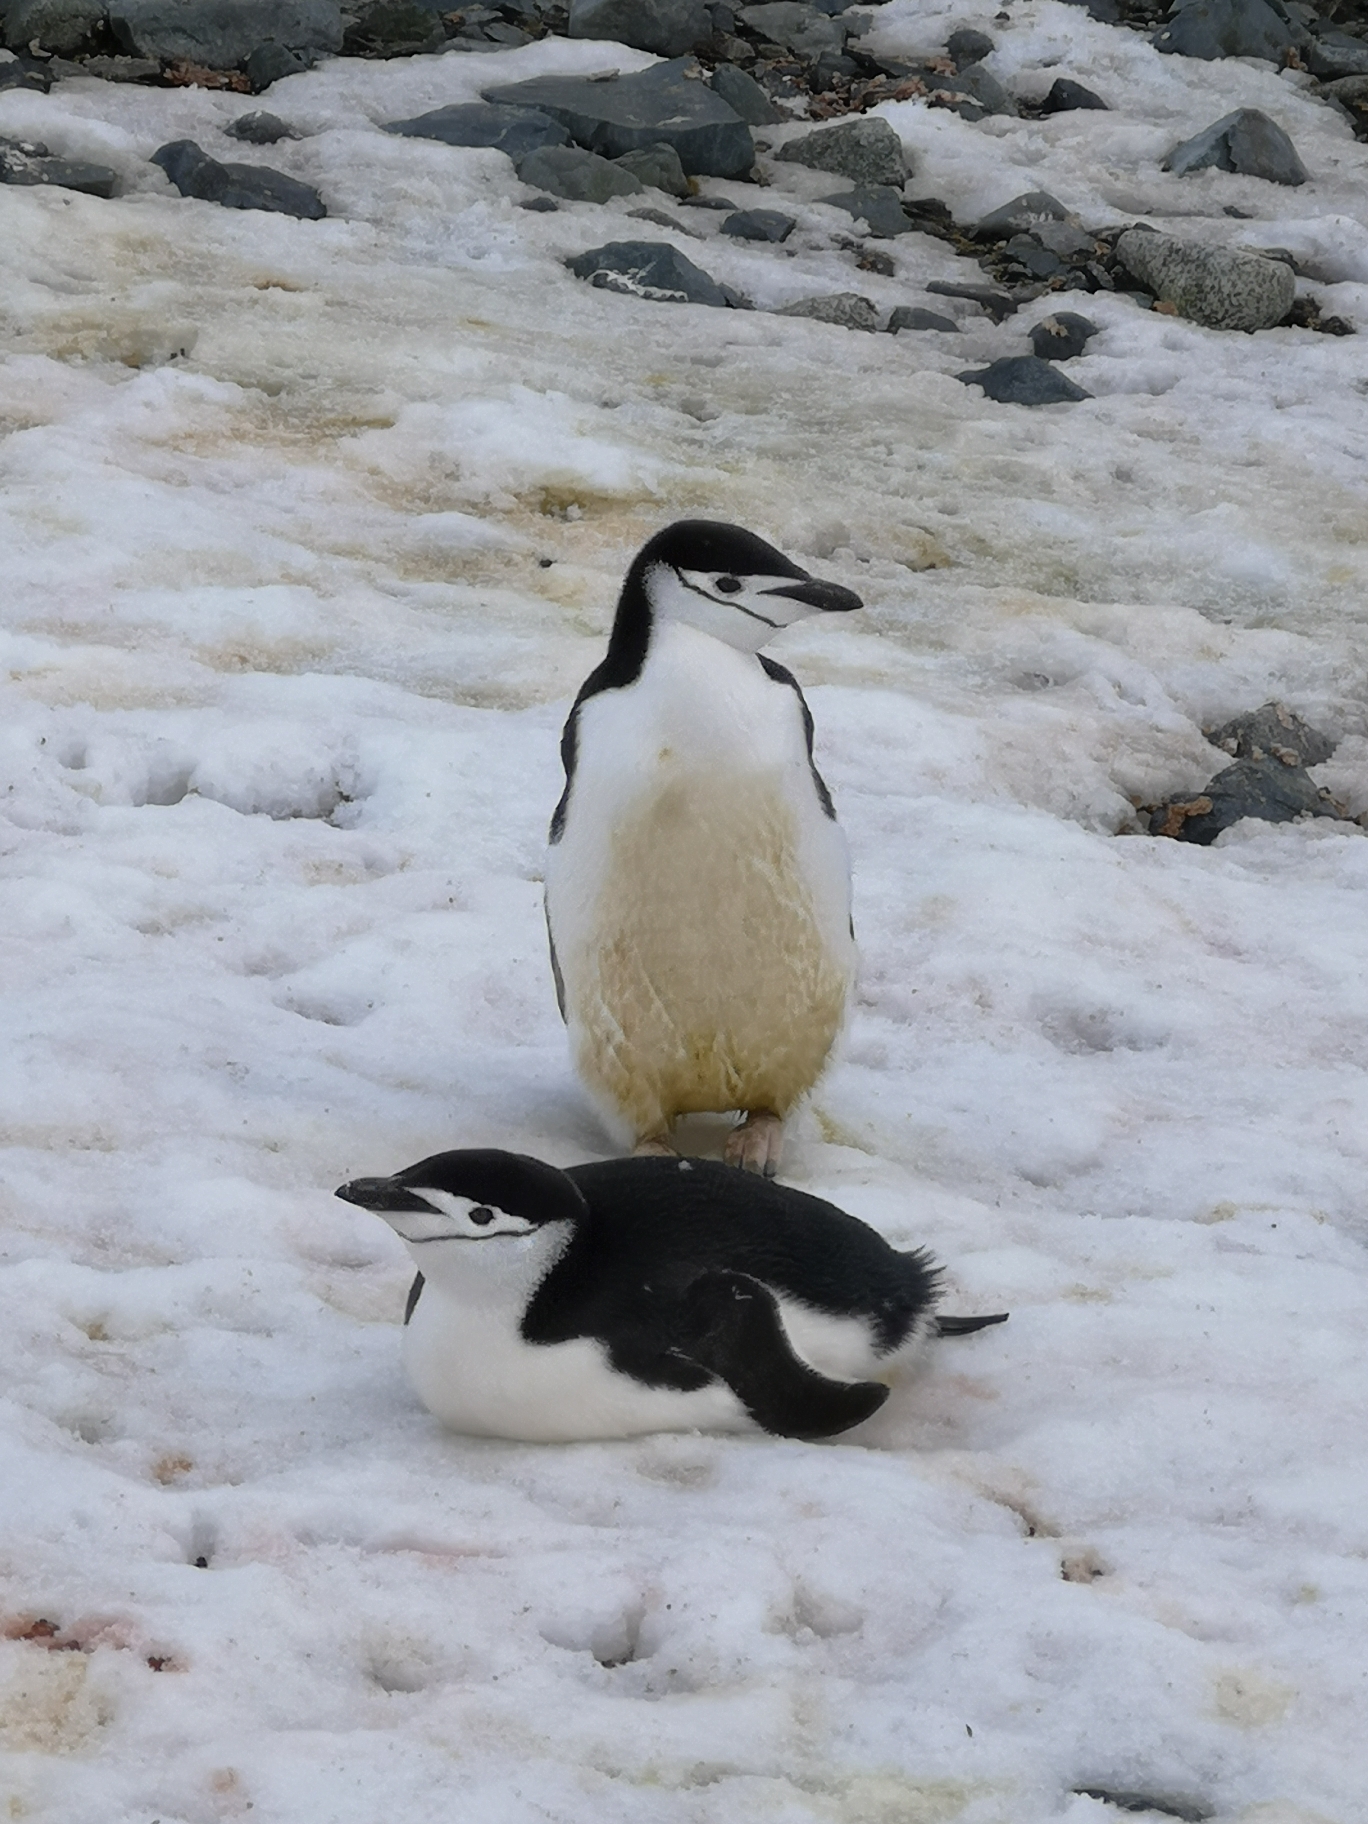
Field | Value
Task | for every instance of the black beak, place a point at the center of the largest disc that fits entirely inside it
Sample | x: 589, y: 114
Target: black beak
x: 378, y: 1194
x: 831, y: 598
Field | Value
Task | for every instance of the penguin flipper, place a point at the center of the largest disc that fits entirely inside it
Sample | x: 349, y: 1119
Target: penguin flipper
x: 731, y: 1327
x: 413, y: 1293
x: 966, y: 1326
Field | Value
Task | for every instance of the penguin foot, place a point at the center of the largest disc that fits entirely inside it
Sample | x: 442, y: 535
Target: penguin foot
x: 655, y: 1146
x: 757, y: 1144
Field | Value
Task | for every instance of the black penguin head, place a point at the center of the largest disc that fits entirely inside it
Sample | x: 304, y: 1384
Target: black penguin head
x: 724, y: 581
x: 473, y: 1195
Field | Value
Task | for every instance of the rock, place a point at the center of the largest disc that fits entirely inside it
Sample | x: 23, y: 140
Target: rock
x: 259, y: 129
x: 540, y: 205
x: 195, y: 174
x: 994, y: 303
x: 1220, y: 287
x: 121, y: 69
x: 1106, y: 12
x: 26, y: 162
x: 1065, y: 96
x: 1064, y: 239
x: 516, y: 131
x: 867, y: 151
x: 661, y: 103
x: 1274, y: 730
x: 878, y: 205
x: 911, y: 316
x: 271, y: 62
x: 1031, y: 258
x: 847, y: 309
x: 1021, y: 215
x: 221, y: 34
x: 1024, y: 380
x: 800, y: 29
x: 667, y: 27
x: 577, y: 175
x: 1266, y: 789
x: 982, y: 87
x: 657, y: 166
x: 63, y: 26
x: 759, y: 225
x: 718, y: 203
x: 26, y: 73
x: 1246, y: 141
x: 1227, y: 28
x: 651, y: 269
x: 964, y: 45
x: 744, y: 96
x: 1062, y: 336
x: 1336, y: 54
x: 395, y: 28
x: 664, y: 220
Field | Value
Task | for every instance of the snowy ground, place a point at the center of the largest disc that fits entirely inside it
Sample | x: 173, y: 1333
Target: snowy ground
x: 284, y: 666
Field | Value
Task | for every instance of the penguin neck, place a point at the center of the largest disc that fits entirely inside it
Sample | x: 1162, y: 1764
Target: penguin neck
x: 639, y: 624
x: 501, y: 1272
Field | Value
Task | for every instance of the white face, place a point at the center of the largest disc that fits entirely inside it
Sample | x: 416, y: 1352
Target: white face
x: 454, y: 1219
x: 745, y: 611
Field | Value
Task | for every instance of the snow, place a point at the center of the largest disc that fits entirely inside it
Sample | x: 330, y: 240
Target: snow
x: 284, y: 669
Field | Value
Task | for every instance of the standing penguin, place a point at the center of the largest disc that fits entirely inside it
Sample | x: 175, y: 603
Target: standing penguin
x: 698, y: 884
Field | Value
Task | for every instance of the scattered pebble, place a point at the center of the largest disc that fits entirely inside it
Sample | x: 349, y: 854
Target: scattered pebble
x: 912, y: 316
x: 1062, y: 336
x: 847, y: 309
x: 654, y: 270
x: 1024, y: 380
x: 759, y: 225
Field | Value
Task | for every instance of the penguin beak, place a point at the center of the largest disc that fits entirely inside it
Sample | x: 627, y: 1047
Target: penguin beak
x: 829, y: 598
x: 381, y: 1194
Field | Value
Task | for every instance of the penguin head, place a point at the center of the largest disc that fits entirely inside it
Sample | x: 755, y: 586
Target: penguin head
x: 726, y: 582
x: 477, y: 1195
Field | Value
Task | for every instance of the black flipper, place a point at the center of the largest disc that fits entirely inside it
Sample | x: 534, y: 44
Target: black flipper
x: 414, y: 1290
x: 966, y: 1326
x: 731, y: 1327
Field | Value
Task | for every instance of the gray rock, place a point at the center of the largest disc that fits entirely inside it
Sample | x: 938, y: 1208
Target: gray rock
x: 62, y: 26
x: 911, y: 316
x: 657, y: 166
x: 259, y: 128
x: 27, y: 162
x: 1037, y: 261
x: 667, y: 27
x: 879, y: 206
x: 800, y: 29
x: 1246, y: 141
x: 662, y: 103
x: 1062, y: 336
x: 651, y: 269
x: 717, y: 203
x: 1336, y: 54
x: 576, y: 175
x: 26, y: 73
x: 664, y: 220
x: 121, y: 69
x: 223, y: 33
x: 1220, y: 287
x: 846, y: 309
x: 744, y: 95
x: 759, y: 225
x: 1227, y: 28
x: 965, y: 45
x: 1275, y: 729
x: 516, y: 131
x: 994, y: 303
x: 1021, y: 215
x: 867, y: 151
x: 983, y: 87
x: 1064, y: 239
x: 195, y: 174
x: 271, y: 62
x: 1066, y: 95
x: 1024, y: 380
x: 1266, y: 789
x: 540, y: 205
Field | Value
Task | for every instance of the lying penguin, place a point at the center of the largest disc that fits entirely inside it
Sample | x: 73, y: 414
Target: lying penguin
x: 646, y: 1294
x: 698, y: 885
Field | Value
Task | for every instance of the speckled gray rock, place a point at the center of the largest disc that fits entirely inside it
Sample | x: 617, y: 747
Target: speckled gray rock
x: 62, y: 26
x: 516, y: 131
x: 651, y: 269
x: 800, y: 29
x: 1227, y: 28
x: 1246, y: 141
x: 661, y: 103
x: 846, y: 309
x: 259, y: 128
x: 667, y: 27
x: 1024, y: 380
x: 1274, y: 729
x: 657, y: 166
x: 867, y: 151
x: 1220, y: 287
x: 912, y: 316
x: 232, y: 186
x: 28, y: 162
x: 1062, y: 336
x: 577, y: 175
x: 1021, y: 215
x: 759, y: 225
x: 1335, y: 54
x: 223, y: 33
x: 744, y: 94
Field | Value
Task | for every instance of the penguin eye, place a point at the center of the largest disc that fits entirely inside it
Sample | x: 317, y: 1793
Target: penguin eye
x: 729, y: 585
x: 482, y: 1216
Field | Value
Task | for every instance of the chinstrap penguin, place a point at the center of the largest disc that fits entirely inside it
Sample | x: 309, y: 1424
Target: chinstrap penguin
x: 697, y: 883
x: 646, y: 1294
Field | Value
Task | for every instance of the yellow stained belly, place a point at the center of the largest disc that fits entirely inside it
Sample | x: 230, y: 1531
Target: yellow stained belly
x: 711, y: 984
